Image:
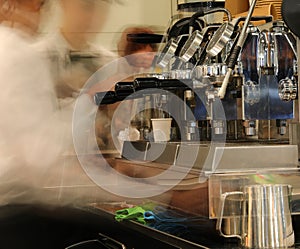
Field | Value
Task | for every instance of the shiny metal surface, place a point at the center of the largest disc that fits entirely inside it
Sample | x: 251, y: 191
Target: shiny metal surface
x: 268, y: 60
x: 294, y: 135
x: 220, y: 39
x: 236, y: 50
x: 192, y: 45
x: 268, y: 54
x: 287, y: 89
x: 167, y: 53
x: 212, y: 70
x: 180, y: 74
x: 269, y: 223
x: 262, y: 101
x: 266, y: 221
x: 189, y: 1
x: 268, y: 158
x: 250, y: 57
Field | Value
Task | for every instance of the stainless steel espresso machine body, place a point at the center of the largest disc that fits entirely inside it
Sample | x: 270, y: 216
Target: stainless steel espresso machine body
x: 236, y: 133
x: 260, y: 97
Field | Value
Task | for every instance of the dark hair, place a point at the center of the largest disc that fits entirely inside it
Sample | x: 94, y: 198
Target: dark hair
x: 127, y: 47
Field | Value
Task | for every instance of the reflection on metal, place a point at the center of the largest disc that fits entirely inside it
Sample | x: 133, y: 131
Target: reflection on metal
x: 189, y: 1
x: 258, y: 223
x: 167, y: 53
x: 268, y: 157
x: 191, y: 46
x: 262, y: 101
x: 219, y: 40
x: 288, y: 89
x: 195, y: 5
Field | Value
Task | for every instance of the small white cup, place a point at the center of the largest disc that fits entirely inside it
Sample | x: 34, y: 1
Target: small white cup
x: 161, y: 129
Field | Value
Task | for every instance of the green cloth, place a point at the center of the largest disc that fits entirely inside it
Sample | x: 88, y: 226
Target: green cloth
x: 135, y: 213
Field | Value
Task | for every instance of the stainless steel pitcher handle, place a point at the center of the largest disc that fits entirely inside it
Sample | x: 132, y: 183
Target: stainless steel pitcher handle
x: 221, y: 214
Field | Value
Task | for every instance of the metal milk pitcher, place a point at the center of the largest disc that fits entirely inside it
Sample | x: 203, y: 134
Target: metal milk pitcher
x: 265, y: 216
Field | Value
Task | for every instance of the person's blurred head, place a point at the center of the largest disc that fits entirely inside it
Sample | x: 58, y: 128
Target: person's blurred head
x: 140, y: 55
x: 80, y: 16
x: 24, y: 14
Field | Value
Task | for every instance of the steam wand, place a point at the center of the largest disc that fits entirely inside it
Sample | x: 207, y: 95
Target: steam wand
x: 236, y: 51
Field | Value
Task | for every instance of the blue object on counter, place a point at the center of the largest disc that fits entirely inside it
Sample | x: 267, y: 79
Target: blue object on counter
x: 172, y: 222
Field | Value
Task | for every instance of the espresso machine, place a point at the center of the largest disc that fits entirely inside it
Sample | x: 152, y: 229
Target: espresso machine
x: 231, y: 88
x: 260, y: 98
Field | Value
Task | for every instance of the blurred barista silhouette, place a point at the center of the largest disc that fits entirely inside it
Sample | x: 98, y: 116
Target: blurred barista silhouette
x: 32, y: 132
x: 73, y: 55
x: 35, y: 131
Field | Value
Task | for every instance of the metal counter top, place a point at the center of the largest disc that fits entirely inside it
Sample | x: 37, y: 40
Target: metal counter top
x: 205, y: 236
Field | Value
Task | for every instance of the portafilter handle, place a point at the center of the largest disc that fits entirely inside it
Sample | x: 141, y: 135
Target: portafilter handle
x: 131, y: 90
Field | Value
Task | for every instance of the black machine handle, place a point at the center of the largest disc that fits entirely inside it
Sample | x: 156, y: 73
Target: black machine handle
x: 202, y: 13
x: 105, y: 98
x: 124, y: 90
x: 234, y: 56
x: 255, y: 19
x: 145, y: 38
x: 146, y: 83
x: 166, y: 84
